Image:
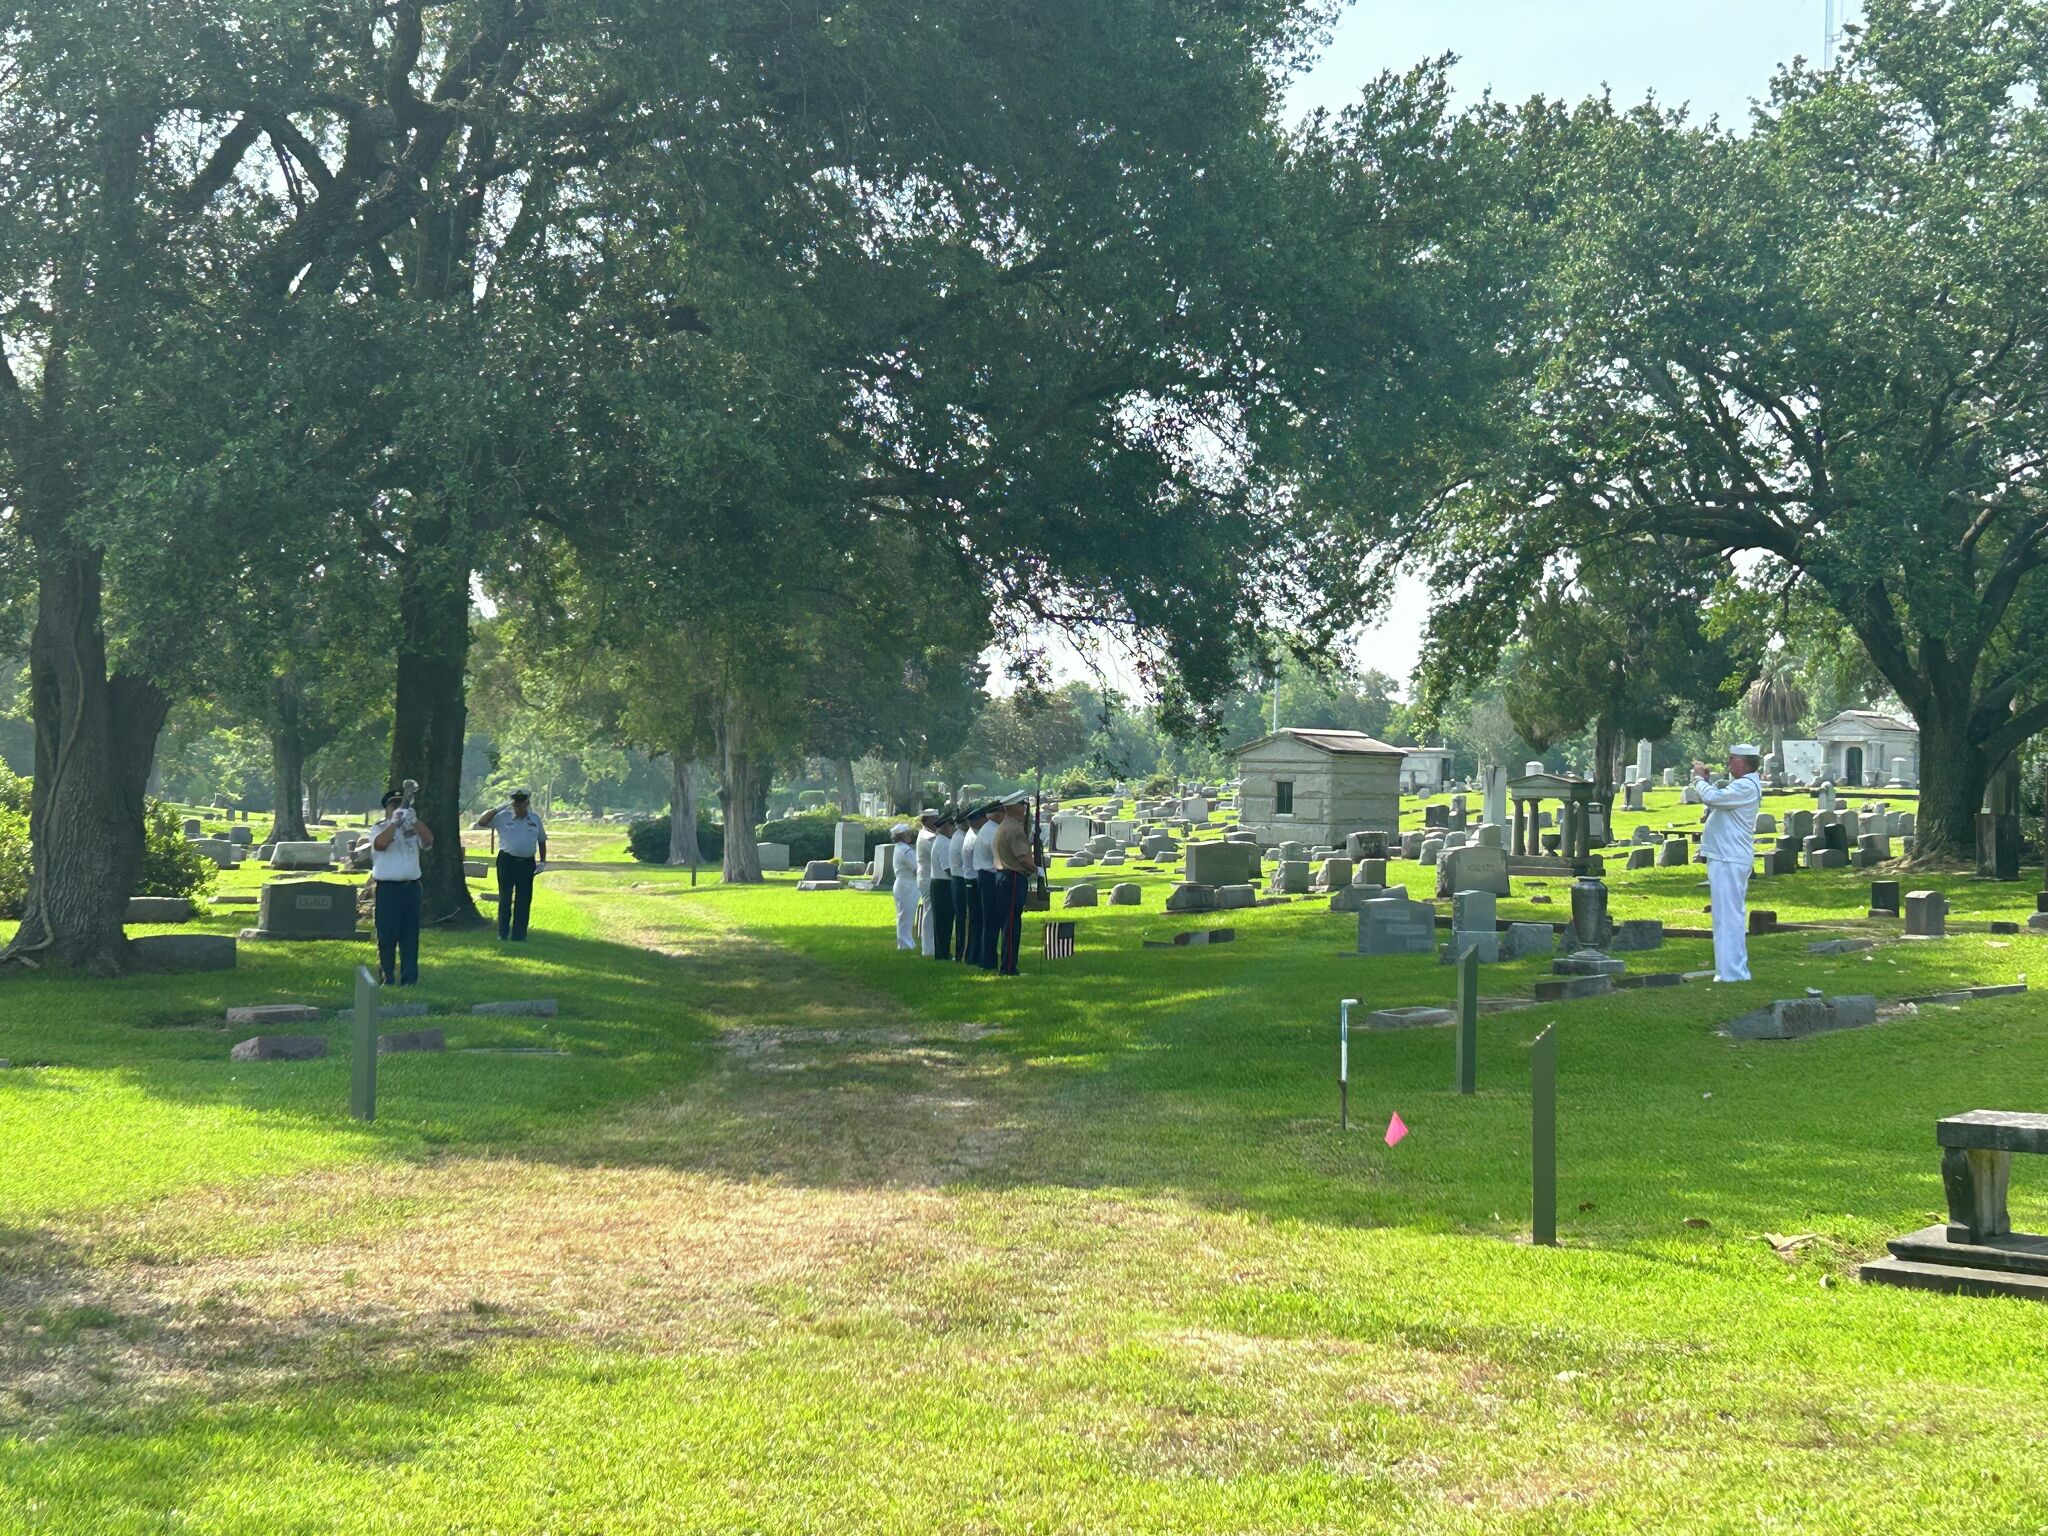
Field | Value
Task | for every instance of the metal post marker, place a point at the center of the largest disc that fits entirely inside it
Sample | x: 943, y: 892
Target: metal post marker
x: 362, y: 1095
x: 1344, y: 1062
x: 1468, y: 1020
x: 1543, y: 1137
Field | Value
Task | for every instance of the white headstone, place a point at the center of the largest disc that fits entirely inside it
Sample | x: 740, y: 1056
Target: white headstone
x: 1493, y: 805
x: 1642, y: 759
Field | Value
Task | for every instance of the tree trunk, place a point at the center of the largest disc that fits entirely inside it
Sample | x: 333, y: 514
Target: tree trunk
x: 848, y: 791
x: 736, y: 794
x: 287, y: 776
x: 682, y: 810
x: 903, y: 796
x: 314, y: 804
x: 1606, y: 750
x: 95, y: 738
x: 430, y: 715
x: 1953, y: 774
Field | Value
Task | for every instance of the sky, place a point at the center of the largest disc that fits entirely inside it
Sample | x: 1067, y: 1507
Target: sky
x: 1715, y: 55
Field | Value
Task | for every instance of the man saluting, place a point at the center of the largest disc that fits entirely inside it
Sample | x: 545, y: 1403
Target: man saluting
x: 522, y: 853
x: 395, y: 846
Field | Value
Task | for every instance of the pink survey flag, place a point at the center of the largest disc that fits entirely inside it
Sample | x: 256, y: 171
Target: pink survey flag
x: 1395, y: 1130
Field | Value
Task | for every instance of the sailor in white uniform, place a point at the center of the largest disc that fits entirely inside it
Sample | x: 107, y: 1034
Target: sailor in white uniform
x: 904, y: 887
x: 1728, y: 844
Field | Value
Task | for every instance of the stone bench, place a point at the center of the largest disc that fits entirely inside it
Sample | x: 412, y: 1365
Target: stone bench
x: 1976, y: 1253
x: 1976, y: 1167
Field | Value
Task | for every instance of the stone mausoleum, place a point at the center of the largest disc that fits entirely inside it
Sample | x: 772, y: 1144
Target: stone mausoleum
x: 1314, y: 787
x: 1860, y: 745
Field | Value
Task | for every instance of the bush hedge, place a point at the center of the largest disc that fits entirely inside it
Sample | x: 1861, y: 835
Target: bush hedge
x: 171, y: 866
x: 809, y: 835
x: 14, y: 857
x: 648, y: 838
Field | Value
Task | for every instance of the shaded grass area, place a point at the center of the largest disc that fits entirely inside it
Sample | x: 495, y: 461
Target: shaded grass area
x: 805, y: 1234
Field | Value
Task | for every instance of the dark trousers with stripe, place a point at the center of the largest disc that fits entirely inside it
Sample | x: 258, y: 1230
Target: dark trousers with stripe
x: 991, y: 884
x: 1012, y: 900
x: 939, y: 916
x: 971, y: 951
x: 963, y: 907
x: 515, y: 894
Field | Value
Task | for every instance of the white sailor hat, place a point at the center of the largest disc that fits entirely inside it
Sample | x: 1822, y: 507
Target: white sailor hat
x: 899, y: 829
x: 1022, y: 797
x: 929, y: 813
x: 1745, y: 749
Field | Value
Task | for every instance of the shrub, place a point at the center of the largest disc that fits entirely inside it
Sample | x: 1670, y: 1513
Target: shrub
x: 1075, y: 787
x: 809, y: 835
x: 14, y: 858
x: 170, y: 865
x: 1160, y: 784
x: 648, y: 838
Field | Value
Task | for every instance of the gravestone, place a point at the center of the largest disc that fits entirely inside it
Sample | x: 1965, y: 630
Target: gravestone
x: 407, y: 1041
x: 1126, y: 895
x: 300, y: 855
x: 274, y: 1013
x: 1794, y: 1017
x: 1432, y: 848
x: 1081, y: 860
x: 1493, y: 799
x: 1334, y: 873
x: 194, y: 828
x: 1528, y: 939
x: 241, y: 837
x: 305, y: 909
x: 1219, y: 863
x: 1438, y: 816
x: 1884, y: 898
x: 1230, y: 898
x: 1190, y: 897
x: 1766, y: 822
x: 1370, y: 872
x: 1587, y: 962
x: 1081, y: 895
x: 883, y: 870
x: 849, y: 842
x: 1926, y: 915
x: 1472, y: 929
x: 774, y: 857
x: 1394, y: 925
x: 1635, y: 934
x: 1070, y: 831
x: 1472, y: 869
x: 1642, y: 858
x: 280, y: 1048
x: 220, y: 851
x: 821, y: 869
x: 1290, y: 878
x: 1366, y: 845
x: 1672, y: 853
x: 1632, y: 797
x: 183, y: 952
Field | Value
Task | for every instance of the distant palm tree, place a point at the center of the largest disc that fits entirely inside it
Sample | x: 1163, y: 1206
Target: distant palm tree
x: 1775, y: 703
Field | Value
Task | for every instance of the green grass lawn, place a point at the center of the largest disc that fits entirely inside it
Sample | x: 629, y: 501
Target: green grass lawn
x: 775, y: 1229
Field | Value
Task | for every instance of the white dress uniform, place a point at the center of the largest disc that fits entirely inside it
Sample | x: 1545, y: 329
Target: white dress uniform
x: 1728, y: 844
x: 904, y: 888
x: 927, y: 851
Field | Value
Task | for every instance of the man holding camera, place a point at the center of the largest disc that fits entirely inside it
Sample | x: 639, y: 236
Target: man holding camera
x: 395, y: 846
x: 522, y: 854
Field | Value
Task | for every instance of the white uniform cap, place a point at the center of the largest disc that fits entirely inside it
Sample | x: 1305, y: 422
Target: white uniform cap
x: 1745, y: 749
x: 899, y: 829
x: 929, y: 813
x: 1022, y: 797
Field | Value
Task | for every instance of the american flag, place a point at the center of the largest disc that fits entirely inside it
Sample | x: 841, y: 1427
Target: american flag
x: 1059, y: 940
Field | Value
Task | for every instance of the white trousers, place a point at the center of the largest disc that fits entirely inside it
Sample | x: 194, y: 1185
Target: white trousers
x: 1728, y: 884
x: 924, y: 919
x: 906, y: 913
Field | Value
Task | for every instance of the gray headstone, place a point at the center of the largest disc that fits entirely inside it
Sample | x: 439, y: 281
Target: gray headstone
x: 1396, y: 926
x: 1528, y: 939
x: 1472, y: 869
x: 305, y: 909
x: 403, y: 1041
x: 1189, y: 897
x: 1926, y: 914
x: 1672, y: 853
x: 301, y: 855
x: 158, y: 909
x: 773, y: 856
x: 280, y: 1048
x: 274, y: 1013
x: 1082, y: 895
x: 1230, y: 898
x: 1219, y: 863
x: 1590, y: 928
x: 183, y: 952
x: 519, y: 1008
x: 1126, y: 895
x: 1473, y: 911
